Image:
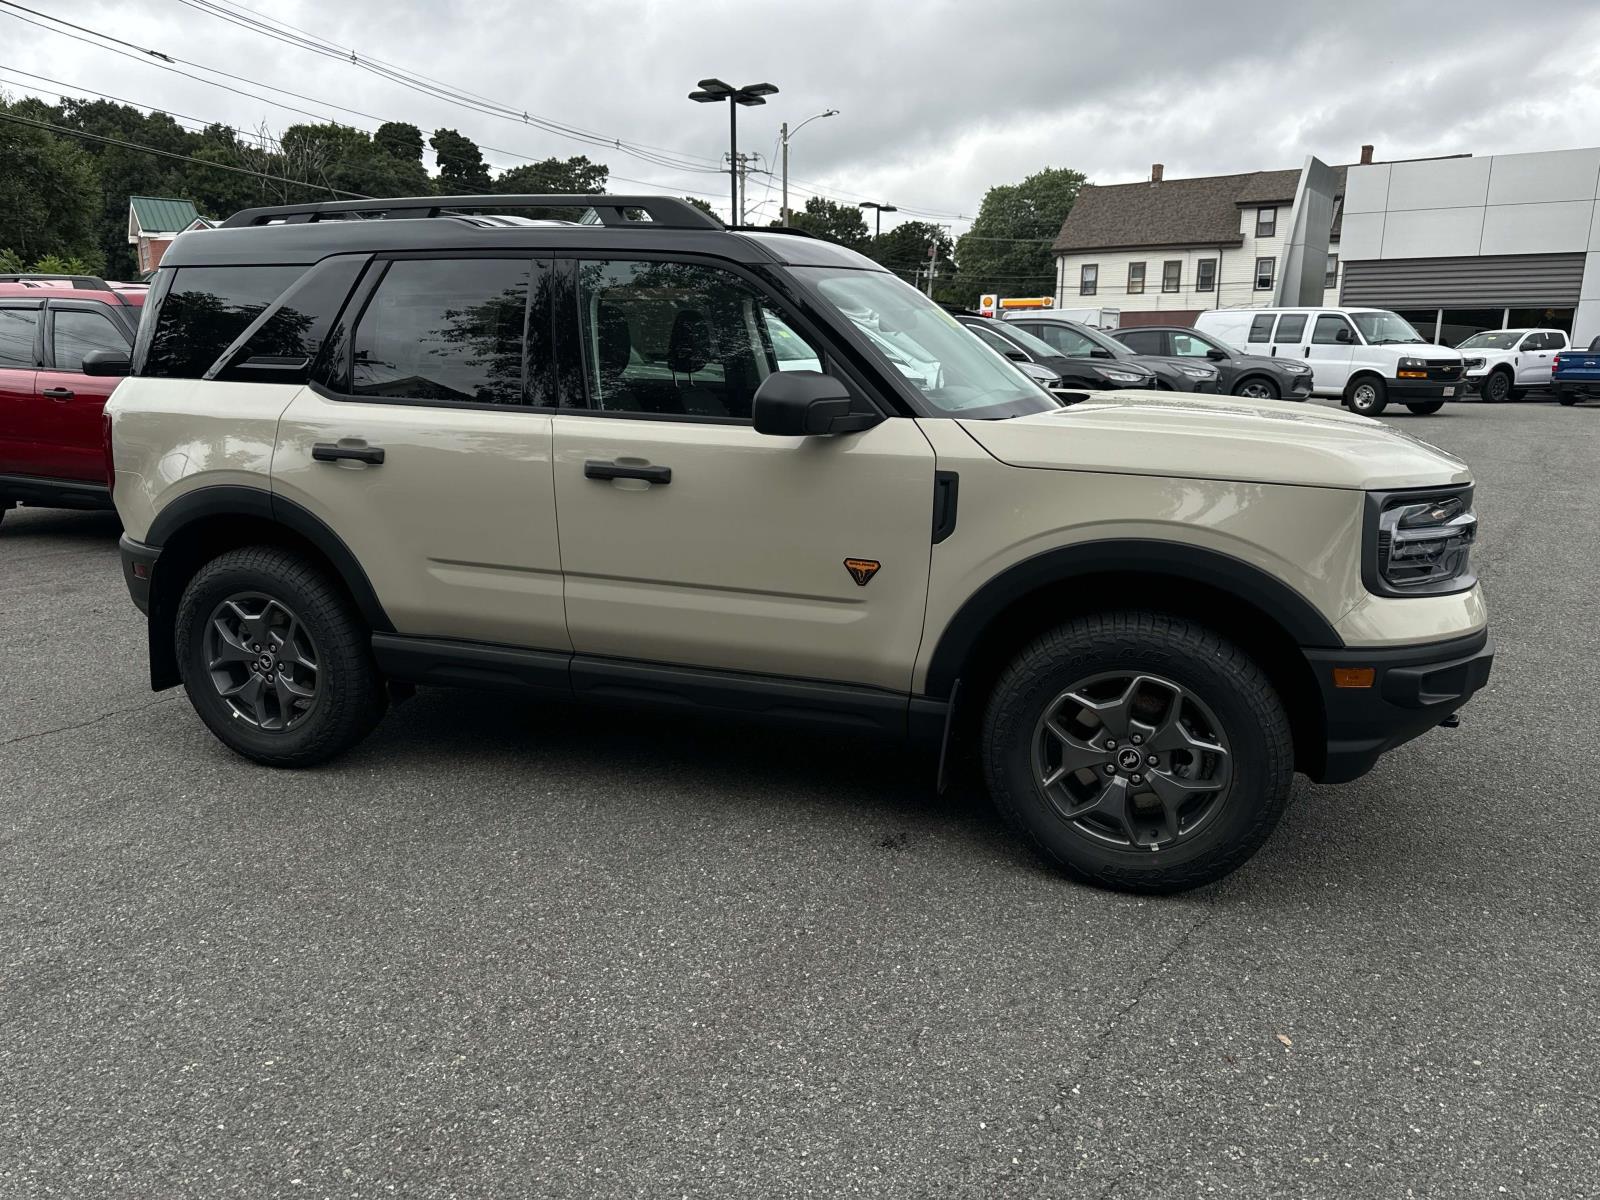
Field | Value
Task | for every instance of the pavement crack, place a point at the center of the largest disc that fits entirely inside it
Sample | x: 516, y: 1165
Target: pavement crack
x: 116, y: 712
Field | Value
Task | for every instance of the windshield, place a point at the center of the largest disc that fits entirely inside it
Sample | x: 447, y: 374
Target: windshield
x: 954, y: 371
x: 1384, y: 328
x: 1494, y: 339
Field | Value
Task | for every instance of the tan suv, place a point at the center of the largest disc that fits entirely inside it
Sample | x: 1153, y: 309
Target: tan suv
x: 643, y: 459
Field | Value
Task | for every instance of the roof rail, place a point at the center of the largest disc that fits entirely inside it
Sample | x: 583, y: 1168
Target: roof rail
x: 85, y: 283
x: 664, y: 211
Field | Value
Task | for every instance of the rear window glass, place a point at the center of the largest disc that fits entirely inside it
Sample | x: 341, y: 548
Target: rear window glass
x: 205, y: 310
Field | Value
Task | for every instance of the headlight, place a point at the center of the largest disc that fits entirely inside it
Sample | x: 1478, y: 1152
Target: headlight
x: 1411, y: 368
x: 1419, y: 544
x: 1296, y: 368
x: 1116, y: 376
x: 1198, y: 372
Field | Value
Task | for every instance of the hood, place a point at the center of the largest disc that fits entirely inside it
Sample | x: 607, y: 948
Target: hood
x: 1182, y: 435
x: 1426, y: 350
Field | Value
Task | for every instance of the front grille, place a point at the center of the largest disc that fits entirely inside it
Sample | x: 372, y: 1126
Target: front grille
x: 1444, y: 372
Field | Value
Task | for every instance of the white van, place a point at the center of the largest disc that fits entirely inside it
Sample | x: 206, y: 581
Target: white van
x: 1366, y: 356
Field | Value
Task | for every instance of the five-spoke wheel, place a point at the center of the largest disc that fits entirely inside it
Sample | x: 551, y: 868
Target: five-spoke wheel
x: 262, y: 660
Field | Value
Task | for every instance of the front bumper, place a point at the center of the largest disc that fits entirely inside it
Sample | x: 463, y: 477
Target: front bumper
x: 1298, y: 387
x: 1414, y: 688
x: 138, y: 566
x: 1414, y: 390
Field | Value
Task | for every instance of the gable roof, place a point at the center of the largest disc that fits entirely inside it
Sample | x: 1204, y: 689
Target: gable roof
x: 161, y: 214
x: 1175, y: 212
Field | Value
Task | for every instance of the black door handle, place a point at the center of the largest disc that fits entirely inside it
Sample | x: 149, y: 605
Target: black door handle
x: 59, y: 393
x: 329, y: 452
x: 598, y: 469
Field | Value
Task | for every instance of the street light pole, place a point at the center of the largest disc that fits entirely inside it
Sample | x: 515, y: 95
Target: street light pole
x: 783, y: 136
x: 881, y: 209
x: 715, y: 91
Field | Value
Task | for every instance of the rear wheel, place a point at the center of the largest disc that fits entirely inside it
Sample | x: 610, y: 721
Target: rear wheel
x: 1497, y: 386
x: 1138, y: 751
x: 1256, y: 388
x: 1426, y: 408
x: 275, y: 660
x: 1566, y: 398
x: 1367, y: 395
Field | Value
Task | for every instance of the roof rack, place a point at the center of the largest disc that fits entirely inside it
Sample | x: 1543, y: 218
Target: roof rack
x: 664, y: 211
x: 85, y: 283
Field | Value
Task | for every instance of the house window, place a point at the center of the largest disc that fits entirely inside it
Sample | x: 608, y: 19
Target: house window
x: 1332, y: 277
x: 1266, y: 222
x: 1088, y: 278
x: 1135, y: 279
x: 1171, y: 274
x: 1205, y: 275
x: 1265, y: 270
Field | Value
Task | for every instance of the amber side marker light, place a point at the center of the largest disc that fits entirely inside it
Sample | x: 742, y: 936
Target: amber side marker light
x: 1353, y: 677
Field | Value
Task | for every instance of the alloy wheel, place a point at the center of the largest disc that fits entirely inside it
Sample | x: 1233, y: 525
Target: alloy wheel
x: 1132, y: 759
x: 1257, y: 389
x: 262, y: 661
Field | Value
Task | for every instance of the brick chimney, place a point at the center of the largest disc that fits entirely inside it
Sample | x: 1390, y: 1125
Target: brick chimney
x: 1155, y: 173
x: 1366, y: 155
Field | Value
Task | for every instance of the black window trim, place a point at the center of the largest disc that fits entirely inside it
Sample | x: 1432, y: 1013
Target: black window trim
x: 1086, y: 286
x: 1279, y: 334
x: 1144, y: 267
x: 1177, y: 282
x: 1355, y: 335
x: 46, y: 351
x: 1199, y: 265
x: 1272, y: 273
x: 1272, y: 231
x: 39, y: 343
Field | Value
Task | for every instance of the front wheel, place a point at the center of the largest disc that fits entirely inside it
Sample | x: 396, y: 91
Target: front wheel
x: 275, y: 660
x: 1427, y: 408
x: 1496, y: 387
x: 1256, y: 388
x: 1138, y: 751
x: 1368, y: 396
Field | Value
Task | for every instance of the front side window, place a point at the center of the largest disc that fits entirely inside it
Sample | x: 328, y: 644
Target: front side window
x: 17, y: 329
x: 1266, y: 271
x: 1205, y: 277
x: 444, y: 330
x: 78, y: 331
x: 1135, y: 279
x: 1171, y: 275
x: 1190, y: 345
x: 1266, y: 222
x: 204, y: 310
x: 1088, y: 279
x: 1327, y: 330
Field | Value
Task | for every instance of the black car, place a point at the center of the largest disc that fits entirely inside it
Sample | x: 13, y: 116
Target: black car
x: 1253, y: 375
x: 1074, y: 374
x: 1073, y: 340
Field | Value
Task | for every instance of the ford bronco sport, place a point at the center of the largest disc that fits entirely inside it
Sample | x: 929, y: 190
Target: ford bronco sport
x: 645, y: 459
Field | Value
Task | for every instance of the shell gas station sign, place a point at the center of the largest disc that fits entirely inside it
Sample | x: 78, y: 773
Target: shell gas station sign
x: 991, y: 305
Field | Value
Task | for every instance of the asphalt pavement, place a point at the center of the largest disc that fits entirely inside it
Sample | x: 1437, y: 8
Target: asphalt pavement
x: 506, y: 950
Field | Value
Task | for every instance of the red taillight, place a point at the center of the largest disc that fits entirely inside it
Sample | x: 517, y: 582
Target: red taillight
x: 1555, y: 363
x: 105, y: 443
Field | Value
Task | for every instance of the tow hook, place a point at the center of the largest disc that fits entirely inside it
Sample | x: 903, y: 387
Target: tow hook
x: 1451, y: 722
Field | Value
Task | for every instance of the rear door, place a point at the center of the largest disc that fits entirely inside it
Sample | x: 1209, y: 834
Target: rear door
x: 21, y: 327
x: 1536, y: 355
x: 1329, y: 357
x: 689, y: 538
x: 1258, y: 340
x: 425, y: 445
x: 71, y: 442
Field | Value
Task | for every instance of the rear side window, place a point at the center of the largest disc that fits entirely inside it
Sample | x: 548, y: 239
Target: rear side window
x: 1291, y: 328
x: 448, y: 330
x: 1146, y: 341
x: 17, y: 329
x: 205, y: 309
x: 1261, y: 328
x: 78, y: 331
x: 282, y: 343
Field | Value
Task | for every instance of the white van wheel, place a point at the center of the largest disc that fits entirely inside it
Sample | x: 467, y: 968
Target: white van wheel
x: 1367, y: 396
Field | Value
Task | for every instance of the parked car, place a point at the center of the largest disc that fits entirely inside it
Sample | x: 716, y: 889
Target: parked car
x: 359, y: 455
x: 1076, y: 375
x: 1576, y: 374
x: 1502, y: 364
x: 1254, y: 375
x: 52, y: 448
x: 1072, y: 340
x: 1365, y: 356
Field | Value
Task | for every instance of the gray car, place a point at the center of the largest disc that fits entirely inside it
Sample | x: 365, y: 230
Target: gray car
x: 1253, y: 375
x: 1073, y: 340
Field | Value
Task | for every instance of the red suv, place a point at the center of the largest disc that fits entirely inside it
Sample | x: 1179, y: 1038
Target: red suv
x: 52, y: 450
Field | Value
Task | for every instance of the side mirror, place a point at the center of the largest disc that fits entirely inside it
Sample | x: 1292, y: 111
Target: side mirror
x: 1101, y: 352
x: 105, y: 362
x: 1344, y: 336
x: 806, y: 404
x: 1216, y: 355
x: 1017, y: 356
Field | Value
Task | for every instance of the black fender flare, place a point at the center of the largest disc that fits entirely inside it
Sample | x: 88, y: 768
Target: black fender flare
x: 1297, y: 616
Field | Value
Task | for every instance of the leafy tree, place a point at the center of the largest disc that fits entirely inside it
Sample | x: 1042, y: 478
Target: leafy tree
x: 702, y: 205
x: 399, y: 140
x: 904, y: 249
x: 462, y: 170
x: 1008, y: 248
x: 49, y: 190
x: 842, y: 223
x: 57, y: 264
x: 10, y: 261
x: 575, y: 176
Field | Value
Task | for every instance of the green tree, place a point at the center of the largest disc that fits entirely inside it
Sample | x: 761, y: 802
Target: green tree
x: 461, y: 167
x: 575, y: 176
x: 842, y: 223
x: 702, y: 205
x: 904, y: 249
x: 1008, y: 248
x: 10, y: 261
x: 49, y: 190
x: 399, y: 140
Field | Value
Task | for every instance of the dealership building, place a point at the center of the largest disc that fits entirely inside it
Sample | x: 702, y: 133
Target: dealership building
x: 1456, y: 245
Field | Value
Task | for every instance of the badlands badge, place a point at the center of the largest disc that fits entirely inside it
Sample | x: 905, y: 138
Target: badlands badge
x: 862, y: 569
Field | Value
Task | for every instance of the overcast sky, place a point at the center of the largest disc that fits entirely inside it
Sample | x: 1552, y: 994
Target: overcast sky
x: 938, y: 101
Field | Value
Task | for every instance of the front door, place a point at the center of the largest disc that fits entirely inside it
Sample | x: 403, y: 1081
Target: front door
x: 691, y: 539
x: 72, y: 443
x: 1330, y: 353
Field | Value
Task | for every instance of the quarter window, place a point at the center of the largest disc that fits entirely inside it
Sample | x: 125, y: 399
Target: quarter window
x: 17, y: 329
x: 78, y: 331
x: 1205, y: 275
x: 683, y: 340
x: 204, y: 310
x: 444, y: 330
x: 1135, y: 278
x: 1171, y: 275
x: 1088, y: 279
x: 1266, y: 222
x: 1266, y: 271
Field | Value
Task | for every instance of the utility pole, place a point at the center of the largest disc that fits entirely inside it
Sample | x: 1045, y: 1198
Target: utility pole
x: 741, y: 165
x: 933, y: 258
x: 783, y: 135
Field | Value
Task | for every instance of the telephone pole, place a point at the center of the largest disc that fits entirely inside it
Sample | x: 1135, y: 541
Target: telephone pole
x: 783, y: 136
x: 741, y: 167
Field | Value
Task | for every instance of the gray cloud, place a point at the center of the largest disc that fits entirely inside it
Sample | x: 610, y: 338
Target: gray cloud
x: 939, y: 100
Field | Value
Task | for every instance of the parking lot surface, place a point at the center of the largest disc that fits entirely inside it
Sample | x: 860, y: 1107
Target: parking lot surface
x: 512, y: 950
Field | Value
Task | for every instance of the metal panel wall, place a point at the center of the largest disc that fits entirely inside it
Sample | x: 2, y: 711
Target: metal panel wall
x: 1509, y: 279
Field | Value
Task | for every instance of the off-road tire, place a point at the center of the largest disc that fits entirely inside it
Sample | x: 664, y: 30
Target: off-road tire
x: 1566, y: 398
x: 1231, y: 684
x: 1426, y: 408
x: 350, y: 696
x: 1367, y: 395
